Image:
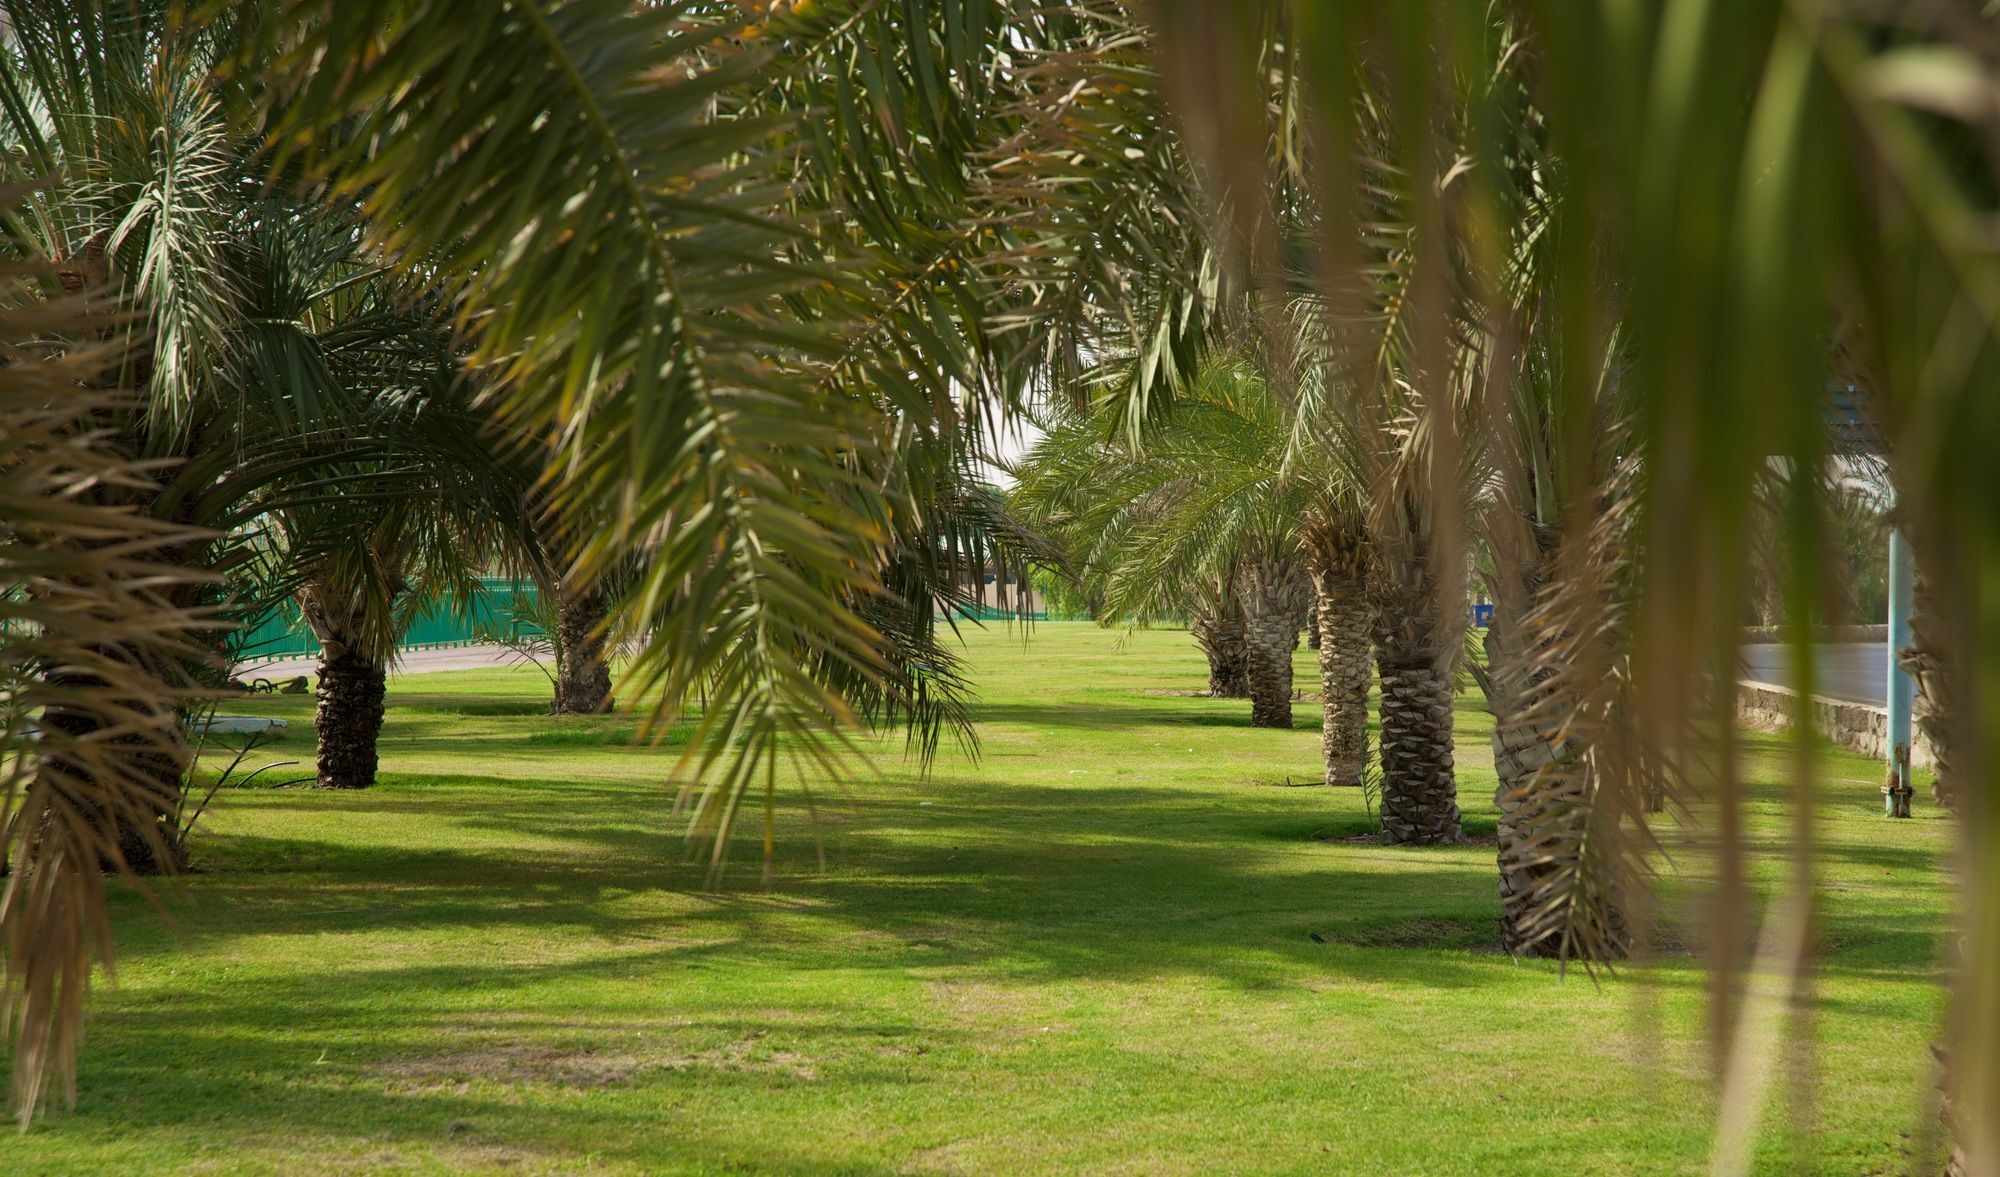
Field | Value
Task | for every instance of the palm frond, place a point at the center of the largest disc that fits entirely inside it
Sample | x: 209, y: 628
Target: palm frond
x: 96, y: 647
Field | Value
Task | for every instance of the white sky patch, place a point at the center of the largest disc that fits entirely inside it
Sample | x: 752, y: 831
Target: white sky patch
x: 1010, y: 443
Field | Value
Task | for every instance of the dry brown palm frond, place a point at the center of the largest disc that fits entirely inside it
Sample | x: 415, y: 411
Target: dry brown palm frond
x: 1584, y: 833
x: 91, y: 646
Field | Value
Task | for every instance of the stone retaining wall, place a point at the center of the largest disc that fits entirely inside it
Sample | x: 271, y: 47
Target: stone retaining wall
x: 1857, y: 727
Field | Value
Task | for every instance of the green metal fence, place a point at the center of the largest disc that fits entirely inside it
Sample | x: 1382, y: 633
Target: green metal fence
x: 284, y: 634
x: 990, y: 613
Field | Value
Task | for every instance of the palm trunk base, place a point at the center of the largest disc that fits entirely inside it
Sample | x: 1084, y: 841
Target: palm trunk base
x: 352, y: 692
x: 1344, y: 673
x: 1231, y: 681
x: 1228, y: 667
x: 583, y: 677
x: 143, y: 823
x: 1518, y: 755
x: 1270, y: 666
x: 1272, y: 594
x: 1218, y: 630
x: 1419, y: 788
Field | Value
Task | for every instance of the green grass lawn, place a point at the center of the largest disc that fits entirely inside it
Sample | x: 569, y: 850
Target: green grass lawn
x: 1117, y: 942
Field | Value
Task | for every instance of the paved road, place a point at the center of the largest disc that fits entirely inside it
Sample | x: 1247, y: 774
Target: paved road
x: 412, y: 662
x: 1856, y: 672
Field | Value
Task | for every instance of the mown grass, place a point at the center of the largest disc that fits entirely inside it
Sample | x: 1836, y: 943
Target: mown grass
x: 1115, y: 943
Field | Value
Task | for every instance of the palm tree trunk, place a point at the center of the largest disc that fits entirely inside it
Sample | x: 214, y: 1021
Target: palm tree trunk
x: 142, y: 820
x: 1338, y: 563
x: 349, y: 716
x: 583, y: 677
x: 1419, y: 788
x: 1937, y: 711
x: 1217, y: 627
x: 1416, y: 642
x: 1928, y: 663
x: 1521, y: 748
x: 1271, y: 606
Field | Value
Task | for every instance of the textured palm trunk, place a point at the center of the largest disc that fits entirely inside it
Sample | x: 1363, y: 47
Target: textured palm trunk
x: 348, y: 720
x: 1928, y: 663
x: 1522, y: 750
x: 1416, y: 641
x: 144, y: 824
x: 1936, y: 712
x: 1419, y: 787
x: 1338, y: 565
x: 1217, y: 628
x: 1272, y: 602
x: 583, y: 676
x: 143, y: 821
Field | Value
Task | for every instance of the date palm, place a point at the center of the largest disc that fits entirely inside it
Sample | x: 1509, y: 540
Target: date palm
x: 412, y: 530
x: 1097, y: 500
x: 1200, y: 501
x: 1755, y: 180
x: 1749, y: 174
x: 607, y: 179
x: 248, y: 336
x: 1215, y: 621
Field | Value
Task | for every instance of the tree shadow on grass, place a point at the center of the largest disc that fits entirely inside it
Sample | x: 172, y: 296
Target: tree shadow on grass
x: 993, y: 888
x: 456, y: 1085
x: 1074, y: 880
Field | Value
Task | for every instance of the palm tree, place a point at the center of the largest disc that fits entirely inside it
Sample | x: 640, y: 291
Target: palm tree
x: 1215, y: 621
x: 1398, y: 361
x: 1097, y: 501
x: 1337, y: 557
x: 393, y: 541
x: 1198, y: 516
x: 96, y: 643
x: 420, y: 494
x: 1748, y: 173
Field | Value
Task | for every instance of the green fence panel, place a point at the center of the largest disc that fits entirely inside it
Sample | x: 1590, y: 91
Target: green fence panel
x: 992, y: 613
x: 284, y: 633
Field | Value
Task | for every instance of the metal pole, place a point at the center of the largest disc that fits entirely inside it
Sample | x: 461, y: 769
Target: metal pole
x: 1902, y: 573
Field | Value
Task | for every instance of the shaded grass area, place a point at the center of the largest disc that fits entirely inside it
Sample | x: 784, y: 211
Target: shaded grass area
x: 1115, y: 943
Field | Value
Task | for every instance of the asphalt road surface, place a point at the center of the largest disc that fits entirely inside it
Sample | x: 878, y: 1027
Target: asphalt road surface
x: 1857, y: 672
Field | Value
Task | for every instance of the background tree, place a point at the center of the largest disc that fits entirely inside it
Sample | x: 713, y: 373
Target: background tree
x: 248, y: 371
x: 1200, y: 501
x: 397, y: 539
x: 1752, y: 177
x: 1755, y: 176
x: 1215, y: 621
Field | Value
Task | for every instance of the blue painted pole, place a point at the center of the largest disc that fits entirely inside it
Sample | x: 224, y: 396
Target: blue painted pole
x: 1902, y: 574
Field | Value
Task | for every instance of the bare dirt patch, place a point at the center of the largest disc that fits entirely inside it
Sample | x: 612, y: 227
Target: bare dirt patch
x: 1374, y: 839
x: 588, y: 1067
